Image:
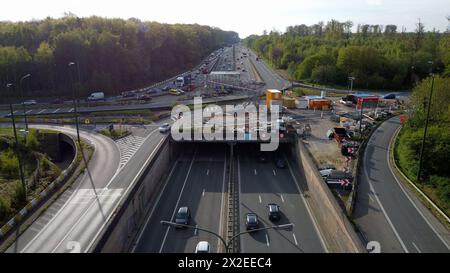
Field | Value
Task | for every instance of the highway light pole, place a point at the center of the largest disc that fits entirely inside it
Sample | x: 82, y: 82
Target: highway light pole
x: 75, y: 98
x: 422, y: 148
x: 351, y: 83
x: 230, y: 241
x: 22, y: 178
x: 23, y: 102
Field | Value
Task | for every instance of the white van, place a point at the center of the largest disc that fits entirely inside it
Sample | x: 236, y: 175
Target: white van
x: 96, y: 96
x: 202, y: 247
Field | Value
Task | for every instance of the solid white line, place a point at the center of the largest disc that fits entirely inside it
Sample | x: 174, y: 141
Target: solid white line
x: 282, y: 199
x: 56, y: 110
x: 410, y: 200
x: 221, y: 203
x: 417, y: 248
x: 382, y: 208
x: 41, y: 111
x: 154, y: 207
x: 295, y: 239
x: 28, y: 111
x: 259, y: 198
x: 203, y: 192
x: 178, y: 201
x: 308, y: 209
x: 267, y: 240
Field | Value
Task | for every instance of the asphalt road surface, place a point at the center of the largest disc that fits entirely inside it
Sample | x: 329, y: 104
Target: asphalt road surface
x: 261, y: 183
x: 78, y: 215
x: 386, y: 211
x: 197, y: 181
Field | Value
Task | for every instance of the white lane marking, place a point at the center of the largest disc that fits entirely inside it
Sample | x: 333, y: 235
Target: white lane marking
x: 311, y: 216
x: 274, y: 173
x: 410, y: 200
x: 282, y: 199
x: 370, y: 197
x: 267, y: 240
x: 372, y: 189
x: 203, y: 192
x: 295, y: 239
x: 15, y: 112
x: 71, y: 109
x: 56, y: 110
x: 255, y: 172
x: 178, y: 201
x: 195, y: 230
x: 154, y: 207
x: 28, y: 111
x: 41, y: 111
x: 221, y: 202
x: 207, y: 172
x: 416, y: 247
x: 260, y: 201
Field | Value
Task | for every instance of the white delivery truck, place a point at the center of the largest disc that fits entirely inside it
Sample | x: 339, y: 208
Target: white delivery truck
x: 96, y: 96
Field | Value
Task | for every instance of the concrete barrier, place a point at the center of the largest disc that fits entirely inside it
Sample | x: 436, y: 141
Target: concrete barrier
x: 336, y: 230
x: 121, y: 230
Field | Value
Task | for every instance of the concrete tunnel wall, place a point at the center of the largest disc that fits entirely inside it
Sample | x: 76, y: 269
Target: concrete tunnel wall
x: 337, y: 231
x: 122, y: 229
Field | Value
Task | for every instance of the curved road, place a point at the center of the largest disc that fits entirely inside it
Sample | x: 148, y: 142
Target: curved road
x: 386, y: 211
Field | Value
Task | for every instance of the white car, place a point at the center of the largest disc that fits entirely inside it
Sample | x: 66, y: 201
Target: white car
x: 164, y: 128
x: 29, y: 102
x: 202, y: 247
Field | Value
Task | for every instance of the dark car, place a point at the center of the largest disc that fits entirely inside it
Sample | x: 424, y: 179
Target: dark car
x: 145, y: 98
x: 251, y: 221
x: 262, y: 158
x: 273, y: 211
x: 280, y: 163
x: 183, y: 216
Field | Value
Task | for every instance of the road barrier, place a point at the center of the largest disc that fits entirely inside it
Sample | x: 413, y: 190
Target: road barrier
x: 336, y: 230
x: 122, y: 228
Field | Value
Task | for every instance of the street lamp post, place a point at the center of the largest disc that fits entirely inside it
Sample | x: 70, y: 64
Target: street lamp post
x: 23, y: 102
x: 230, y: 241
x: 22, y: 178
x: 351, y: 83
x: 422, y: 148
x: 74, y: 98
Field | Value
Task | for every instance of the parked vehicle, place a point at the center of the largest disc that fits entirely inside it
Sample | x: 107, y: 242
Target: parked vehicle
x: 29, y: 102
x: 183, y: 216
x: 273, y: 211
x: 96, y: 96
x: 174, y: 92
x: 145, y: 97
x: 251, y: 221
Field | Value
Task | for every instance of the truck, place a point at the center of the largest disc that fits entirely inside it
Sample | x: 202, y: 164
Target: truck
x: 96, y: 96
x: 274, y: 97
x: 182, y: 81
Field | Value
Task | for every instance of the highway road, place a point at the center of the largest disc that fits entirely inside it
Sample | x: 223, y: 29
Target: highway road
x: 261, y: 183
x: 79, y: 214
x: 386, y: 211
x: 197, y: 181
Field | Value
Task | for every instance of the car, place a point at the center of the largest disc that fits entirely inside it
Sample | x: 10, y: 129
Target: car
x: 202, y: 247
x: 183, y: 216
x: 29, y: 102
x: 164, y: 128
x: 262, y: 157
x: 57, y: 101
x: 280, y: 163
x: 145, y: 97
x: 165, y: 88
x: 251, y: 221
x: 273, y: 212
x: 243, y: 70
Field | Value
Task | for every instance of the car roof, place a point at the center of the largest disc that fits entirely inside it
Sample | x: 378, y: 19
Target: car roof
x: 203, y: 246
x: 183, y: 209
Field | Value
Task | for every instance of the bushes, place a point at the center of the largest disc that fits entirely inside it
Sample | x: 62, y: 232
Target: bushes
x: 5, y: 209
x: 9, y: 164
x: 442, y: 184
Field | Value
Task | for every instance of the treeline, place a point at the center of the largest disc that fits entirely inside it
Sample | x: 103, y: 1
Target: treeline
x: 113, y: 54
x: 435, y: 174
x: 378, y: 57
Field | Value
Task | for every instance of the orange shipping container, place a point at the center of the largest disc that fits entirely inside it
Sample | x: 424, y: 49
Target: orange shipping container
x: 319, y: 104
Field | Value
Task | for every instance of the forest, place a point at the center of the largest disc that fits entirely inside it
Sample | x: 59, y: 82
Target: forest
x: 378, y: 57
x: 113, y: 55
